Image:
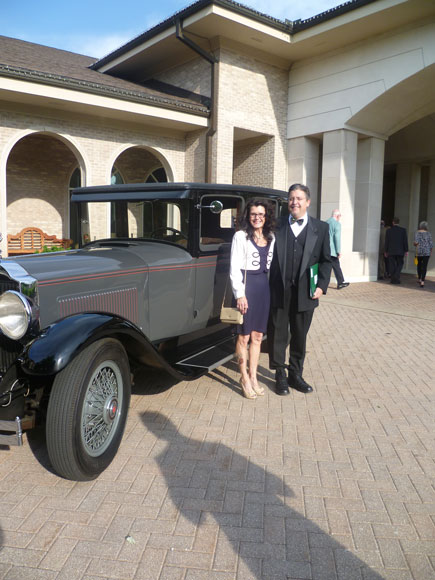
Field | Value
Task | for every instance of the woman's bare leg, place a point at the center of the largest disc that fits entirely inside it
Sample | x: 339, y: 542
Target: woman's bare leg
x: 254, y: 355
x: 242, y: 358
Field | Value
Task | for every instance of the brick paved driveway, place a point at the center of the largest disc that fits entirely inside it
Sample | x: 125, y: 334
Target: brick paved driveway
x: 208, y: 485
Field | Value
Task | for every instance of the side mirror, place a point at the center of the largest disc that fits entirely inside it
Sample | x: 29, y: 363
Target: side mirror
x: 216, y: 206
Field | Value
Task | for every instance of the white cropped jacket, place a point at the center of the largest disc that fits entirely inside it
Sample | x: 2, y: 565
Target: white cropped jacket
x: 244, y: 255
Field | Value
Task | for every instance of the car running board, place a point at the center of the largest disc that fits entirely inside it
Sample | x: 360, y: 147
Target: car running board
x: 209, y: 358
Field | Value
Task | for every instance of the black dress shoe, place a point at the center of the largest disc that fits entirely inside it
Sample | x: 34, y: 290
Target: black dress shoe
x: 298, y: 383
x: 342, y: 285
x: 281, y: 386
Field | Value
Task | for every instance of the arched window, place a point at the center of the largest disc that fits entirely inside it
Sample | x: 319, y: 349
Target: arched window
x: 116, y: 178
x: 157, y: 176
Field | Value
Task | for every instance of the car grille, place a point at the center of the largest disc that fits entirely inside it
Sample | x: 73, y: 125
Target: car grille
x: 6, y: 284
x: 9, y: 349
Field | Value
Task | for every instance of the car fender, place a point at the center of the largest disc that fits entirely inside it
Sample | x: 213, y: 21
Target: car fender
x: 61, y: 342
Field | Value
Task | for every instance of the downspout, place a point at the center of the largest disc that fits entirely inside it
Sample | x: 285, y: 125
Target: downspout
x: 213, y: 97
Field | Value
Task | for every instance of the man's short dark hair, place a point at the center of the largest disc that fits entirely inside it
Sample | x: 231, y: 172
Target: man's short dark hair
x: 303, y: 188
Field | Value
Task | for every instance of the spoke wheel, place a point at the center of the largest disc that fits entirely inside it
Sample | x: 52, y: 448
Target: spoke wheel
x: 87, y: 411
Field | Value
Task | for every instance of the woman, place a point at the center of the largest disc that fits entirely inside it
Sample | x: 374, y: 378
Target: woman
x: 252, y: 250
x: 423, y: 250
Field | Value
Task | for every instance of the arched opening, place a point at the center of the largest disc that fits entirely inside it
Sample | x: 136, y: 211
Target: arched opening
x: 39, y: 170
x: 136, y: 165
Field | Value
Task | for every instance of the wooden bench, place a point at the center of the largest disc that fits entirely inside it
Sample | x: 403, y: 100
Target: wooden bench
x: 32, y: 240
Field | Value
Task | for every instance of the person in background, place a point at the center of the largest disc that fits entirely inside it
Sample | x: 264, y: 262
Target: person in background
x: 382, y: 261
x: 335, y: 242
x: 302, y: 244
x: 396, y: 247
x: 423, y: 250
x: 252, y: 250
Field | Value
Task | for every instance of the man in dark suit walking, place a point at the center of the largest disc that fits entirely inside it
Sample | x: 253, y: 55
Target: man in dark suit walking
x: 396, y: 246
x: 301, y: 242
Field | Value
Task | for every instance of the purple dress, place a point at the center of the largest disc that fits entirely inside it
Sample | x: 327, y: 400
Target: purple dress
x: 258, y: 295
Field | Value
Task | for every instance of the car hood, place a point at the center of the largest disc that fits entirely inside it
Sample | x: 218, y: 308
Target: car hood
x: 92, y: 260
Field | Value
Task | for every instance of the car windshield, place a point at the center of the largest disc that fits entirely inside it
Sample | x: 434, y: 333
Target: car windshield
x: 161, y: 219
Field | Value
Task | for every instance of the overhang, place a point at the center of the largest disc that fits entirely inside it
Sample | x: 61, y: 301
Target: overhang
x: 100, y: 105
x: 209, y: 20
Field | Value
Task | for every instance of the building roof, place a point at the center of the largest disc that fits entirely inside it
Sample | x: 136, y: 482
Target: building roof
x: 42, y: 64
x: 286, y: 26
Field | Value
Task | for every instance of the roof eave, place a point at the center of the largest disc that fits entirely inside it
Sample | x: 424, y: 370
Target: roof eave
x: 99, y: 89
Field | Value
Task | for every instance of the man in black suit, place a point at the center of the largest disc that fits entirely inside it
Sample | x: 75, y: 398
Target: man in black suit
x: 301, y: 242
x: 396, y: 246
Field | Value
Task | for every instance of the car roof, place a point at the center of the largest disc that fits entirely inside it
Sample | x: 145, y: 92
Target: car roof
x: 153, y: 191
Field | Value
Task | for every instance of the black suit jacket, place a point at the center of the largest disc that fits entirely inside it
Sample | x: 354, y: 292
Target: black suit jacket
x: 396, y: 241
x: 316, y: 250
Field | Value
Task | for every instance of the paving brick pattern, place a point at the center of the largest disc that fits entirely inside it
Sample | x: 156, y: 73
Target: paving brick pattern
x: 207, y: 485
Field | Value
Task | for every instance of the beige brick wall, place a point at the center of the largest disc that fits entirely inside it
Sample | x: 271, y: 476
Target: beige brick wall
x: 252, y: 96
x: 194, y: 76
x: 253, y: 161
x: 39, y: 166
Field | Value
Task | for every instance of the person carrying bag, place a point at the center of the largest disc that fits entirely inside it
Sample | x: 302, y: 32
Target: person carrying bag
x: 251, y: 256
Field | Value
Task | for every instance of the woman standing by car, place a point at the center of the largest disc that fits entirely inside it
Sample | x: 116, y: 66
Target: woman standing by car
x: 252, y: 250
x: 423, y: 249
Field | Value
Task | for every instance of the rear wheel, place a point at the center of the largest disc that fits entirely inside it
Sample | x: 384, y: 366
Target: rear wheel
x: 87, y: 411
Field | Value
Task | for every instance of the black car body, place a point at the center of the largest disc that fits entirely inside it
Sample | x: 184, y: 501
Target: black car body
x: 74, y: 324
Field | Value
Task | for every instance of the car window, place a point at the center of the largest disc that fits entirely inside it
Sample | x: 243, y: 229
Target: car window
x: 165, y: 220
x: 218, y: 228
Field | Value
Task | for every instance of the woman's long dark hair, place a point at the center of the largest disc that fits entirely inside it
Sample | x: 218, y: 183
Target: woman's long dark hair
x: 269, y: 222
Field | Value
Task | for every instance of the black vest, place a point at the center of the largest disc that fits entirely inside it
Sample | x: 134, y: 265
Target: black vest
x: 295, y: 251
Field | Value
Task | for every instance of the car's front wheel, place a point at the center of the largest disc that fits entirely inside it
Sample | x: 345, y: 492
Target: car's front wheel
x: 87, y: 411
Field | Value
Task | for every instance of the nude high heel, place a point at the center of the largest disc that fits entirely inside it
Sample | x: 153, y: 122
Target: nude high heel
x: 258, y: 389
x: 247, y: 390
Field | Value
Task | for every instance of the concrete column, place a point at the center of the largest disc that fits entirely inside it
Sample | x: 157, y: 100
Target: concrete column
x: 303, y: 167
x: 431, y: 197
x: 3, y: 210
x: 431, y: 214
x: 338, y: 187
x: 368, y: 202
x: 407, y: 203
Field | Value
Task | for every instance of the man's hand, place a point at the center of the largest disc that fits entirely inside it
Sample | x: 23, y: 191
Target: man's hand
x: 318, y: 292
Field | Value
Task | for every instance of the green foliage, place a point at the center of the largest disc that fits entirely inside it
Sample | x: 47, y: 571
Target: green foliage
x: 50, y: 249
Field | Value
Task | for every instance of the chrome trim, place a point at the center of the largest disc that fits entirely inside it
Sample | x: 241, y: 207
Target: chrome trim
x: 28, y: 310
x: 28, y: 288
x: 16, y: 430
x: 27, y: 284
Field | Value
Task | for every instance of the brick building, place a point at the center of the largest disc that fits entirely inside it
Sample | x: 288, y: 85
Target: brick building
x: 343, y: 101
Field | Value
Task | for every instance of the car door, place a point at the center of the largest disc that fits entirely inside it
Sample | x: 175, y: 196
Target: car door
x: 215, y: 231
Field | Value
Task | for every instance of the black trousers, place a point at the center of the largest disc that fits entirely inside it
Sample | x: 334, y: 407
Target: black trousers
x: 337, y: 270
x: 288, y: 326
x: 422, y: 267
x: 395, y: 265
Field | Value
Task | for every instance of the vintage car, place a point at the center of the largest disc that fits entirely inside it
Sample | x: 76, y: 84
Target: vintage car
x: 75, y: 324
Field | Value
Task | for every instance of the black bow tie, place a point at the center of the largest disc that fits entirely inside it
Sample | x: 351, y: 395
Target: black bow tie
x: 293, y: 220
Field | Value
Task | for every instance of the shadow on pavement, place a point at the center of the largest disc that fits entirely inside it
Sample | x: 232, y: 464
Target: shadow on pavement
x: 249, y: 504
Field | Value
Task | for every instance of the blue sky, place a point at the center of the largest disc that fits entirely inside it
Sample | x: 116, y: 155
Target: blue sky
x: 96, y: 27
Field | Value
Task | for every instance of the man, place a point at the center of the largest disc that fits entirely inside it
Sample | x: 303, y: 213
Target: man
x: 301, y: 242
x: 396, y: 247
x: 382, y: 260
x: 335, y: 243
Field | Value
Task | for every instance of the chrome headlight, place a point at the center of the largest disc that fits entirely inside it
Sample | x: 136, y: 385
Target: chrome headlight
x: 15, y: 314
